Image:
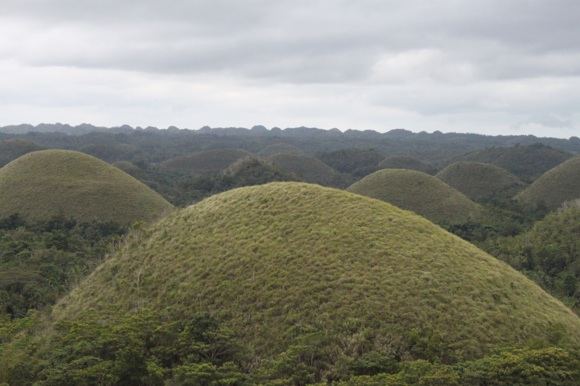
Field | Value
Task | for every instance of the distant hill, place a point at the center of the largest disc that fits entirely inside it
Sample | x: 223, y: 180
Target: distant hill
x: 355, y: 161
x: 554, y: 187
x: 204, y: 162
x: 294, y: 270
x: 423, y: 194
x: 406, y: 162
x: 309, y: 169
x: 526, y: 162
x: 279, y: 148
x: 110, y: 152
x: 438, y: 149
x: 251, y: 171
x: 480, y: 181
x: 10, y: 149
x: 49, y: 183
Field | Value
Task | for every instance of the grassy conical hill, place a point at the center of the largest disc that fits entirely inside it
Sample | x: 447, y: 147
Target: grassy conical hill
x: 280, y: 262
x: 204, y: 162
x: 419, y: 192
x: 526, y: 162
x: 309, y: 169
x: 480, y: 181
x: 406, y: 162
x: 554, y: 187
x: 44, y: 184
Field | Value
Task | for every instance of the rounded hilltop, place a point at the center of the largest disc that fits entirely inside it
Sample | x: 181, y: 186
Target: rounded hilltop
x: 419, y: 192
x: 278, y: 263
x: 480, y: 181
x: 203, y: 162
x: 59, y: 183
x: 555, y: 187
x: 406, y: 162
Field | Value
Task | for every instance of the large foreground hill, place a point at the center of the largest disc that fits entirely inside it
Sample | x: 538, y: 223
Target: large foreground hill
x: 291, y: 268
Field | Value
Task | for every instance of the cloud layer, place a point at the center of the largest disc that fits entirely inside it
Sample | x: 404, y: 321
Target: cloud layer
x: 480, y: 66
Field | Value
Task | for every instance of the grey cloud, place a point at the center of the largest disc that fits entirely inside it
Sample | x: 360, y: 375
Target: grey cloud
x: 303, y: 41
x: 410, y: 63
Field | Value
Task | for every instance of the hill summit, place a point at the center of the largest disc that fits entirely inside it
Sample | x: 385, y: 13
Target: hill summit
x: 50, y: 183
x: 417, y: 191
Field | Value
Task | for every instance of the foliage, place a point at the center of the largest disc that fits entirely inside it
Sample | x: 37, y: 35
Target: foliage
x: 203, y: 162
x: 10, y: 149
x: 141, y: 348
x: 424, y: 194
x: 513, y: 367
x: 354, y: 161
x: 50, y: 183
x: 549, y: 253
x: 40, y: 261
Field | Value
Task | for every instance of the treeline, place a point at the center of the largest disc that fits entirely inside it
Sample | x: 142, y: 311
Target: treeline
x: 144, y: 348
x: 41, y: 261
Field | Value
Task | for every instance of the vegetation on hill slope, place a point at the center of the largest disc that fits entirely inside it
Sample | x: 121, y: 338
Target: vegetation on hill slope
x: 527, y: 162
x: 51, y: 183
x: 203, y: 162
x: 406, y: 162
x: 554, y: 187
x: 423, y: 194
x: 184, y: 190
x: 309, y: 169
x: 481, y: 182
x: 110, y: 152
x: 10, y: 149
x: 315, y: 284
x: 549, y: 253
x: 355, y: 161
x: 40, y: 261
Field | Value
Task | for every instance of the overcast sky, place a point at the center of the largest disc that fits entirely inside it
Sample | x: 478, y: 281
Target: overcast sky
x: 485, y: 66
